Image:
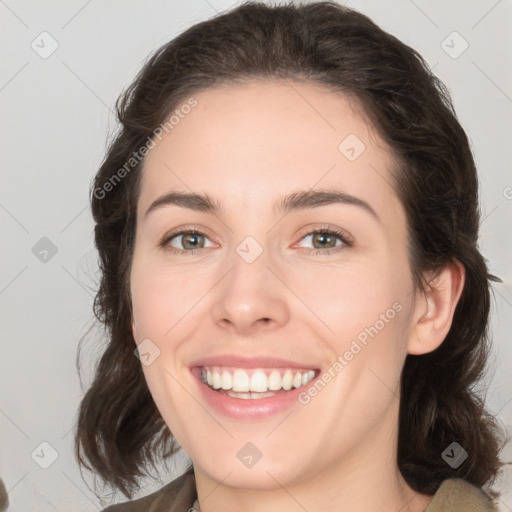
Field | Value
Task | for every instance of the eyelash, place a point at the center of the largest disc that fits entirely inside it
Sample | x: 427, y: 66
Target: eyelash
x: 326, y: 230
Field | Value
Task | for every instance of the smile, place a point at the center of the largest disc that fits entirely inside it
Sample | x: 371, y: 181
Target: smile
x: 255, y: 383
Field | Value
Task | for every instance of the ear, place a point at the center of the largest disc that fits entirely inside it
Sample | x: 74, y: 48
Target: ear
x: 134, y: 330
x: 434, y: 309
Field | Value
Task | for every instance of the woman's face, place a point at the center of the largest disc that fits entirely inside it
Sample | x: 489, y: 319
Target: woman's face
x: 258, y: 288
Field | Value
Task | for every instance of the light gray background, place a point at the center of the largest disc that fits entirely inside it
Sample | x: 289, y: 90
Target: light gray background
x: 56, y: 116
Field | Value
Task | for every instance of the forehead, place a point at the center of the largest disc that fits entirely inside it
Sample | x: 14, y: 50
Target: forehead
x: 251, y: 144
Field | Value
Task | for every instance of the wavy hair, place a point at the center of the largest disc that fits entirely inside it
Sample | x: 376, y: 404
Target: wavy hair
x: 120, y: 431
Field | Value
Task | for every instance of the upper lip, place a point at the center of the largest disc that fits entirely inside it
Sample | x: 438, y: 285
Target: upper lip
x: 239, y: 361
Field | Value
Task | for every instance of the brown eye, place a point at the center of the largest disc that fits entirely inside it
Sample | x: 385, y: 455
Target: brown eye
x: 190, y: 241
x: 325, y: 241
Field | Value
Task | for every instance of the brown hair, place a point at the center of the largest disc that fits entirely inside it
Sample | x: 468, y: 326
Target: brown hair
x: 119, y: 429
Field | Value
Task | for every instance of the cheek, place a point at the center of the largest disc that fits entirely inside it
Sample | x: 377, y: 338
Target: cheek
x: 161, y: 297
x: 347, y: 298
x: 363, y: 312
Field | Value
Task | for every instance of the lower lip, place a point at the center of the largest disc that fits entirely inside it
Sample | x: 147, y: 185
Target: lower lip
x: 248, y: 409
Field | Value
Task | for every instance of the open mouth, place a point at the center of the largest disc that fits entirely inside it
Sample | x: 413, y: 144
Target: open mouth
x: 255, y: 383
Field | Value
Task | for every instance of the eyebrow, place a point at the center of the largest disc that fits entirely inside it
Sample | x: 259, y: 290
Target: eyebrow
x: 300, y: 200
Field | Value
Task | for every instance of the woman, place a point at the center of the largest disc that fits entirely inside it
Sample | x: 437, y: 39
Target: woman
x: 332, y: 376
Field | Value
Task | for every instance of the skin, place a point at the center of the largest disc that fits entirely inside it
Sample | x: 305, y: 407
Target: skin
x: 246, y: 146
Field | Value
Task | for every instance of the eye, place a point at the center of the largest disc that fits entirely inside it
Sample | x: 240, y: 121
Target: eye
x: 325, y: 240
x: 191, y: 239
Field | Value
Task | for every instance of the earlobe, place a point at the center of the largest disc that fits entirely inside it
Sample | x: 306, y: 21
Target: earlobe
x: 435, y: 308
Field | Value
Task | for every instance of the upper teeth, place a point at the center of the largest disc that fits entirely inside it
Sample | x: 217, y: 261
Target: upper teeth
x: 259, y: 380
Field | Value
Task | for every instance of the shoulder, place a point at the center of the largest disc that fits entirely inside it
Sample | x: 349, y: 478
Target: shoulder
x: 455, y: 494
x: 178, y: 495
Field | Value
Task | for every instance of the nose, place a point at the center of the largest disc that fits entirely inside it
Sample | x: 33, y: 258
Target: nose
x: 250, y: 298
